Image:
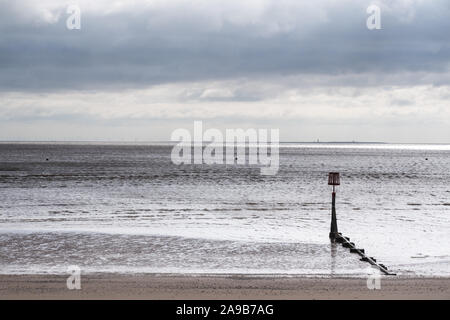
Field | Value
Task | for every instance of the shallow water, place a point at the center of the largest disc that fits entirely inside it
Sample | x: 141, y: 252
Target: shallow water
x: 127, y: 208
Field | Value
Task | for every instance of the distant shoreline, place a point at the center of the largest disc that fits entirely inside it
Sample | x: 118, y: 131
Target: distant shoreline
x: 175, y: 142
x: 150, y: 286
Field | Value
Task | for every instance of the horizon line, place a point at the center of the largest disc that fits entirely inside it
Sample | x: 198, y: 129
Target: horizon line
x: 169, y: 141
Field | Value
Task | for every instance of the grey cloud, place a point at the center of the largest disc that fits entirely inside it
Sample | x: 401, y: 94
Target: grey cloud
x: 149, y: 46
x: 401, y: 102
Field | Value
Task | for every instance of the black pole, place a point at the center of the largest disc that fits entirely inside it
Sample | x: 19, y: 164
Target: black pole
x: 333, y: 228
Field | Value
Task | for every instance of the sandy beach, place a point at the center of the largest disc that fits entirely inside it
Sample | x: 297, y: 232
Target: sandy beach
x: 151, y: 286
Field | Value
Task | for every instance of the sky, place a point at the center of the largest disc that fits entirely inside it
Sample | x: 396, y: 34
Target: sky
x: 137, y: 70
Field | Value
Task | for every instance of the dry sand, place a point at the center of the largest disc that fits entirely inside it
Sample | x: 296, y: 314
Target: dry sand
x: 150, y: 286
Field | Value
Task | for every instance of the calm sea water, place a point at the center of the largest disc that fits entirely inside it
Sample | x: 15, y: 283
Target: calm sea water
x: 127, y: 208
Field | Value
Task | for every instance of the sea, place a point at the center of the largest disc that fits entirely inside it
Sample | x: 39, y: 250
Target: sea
x: 127, y: 208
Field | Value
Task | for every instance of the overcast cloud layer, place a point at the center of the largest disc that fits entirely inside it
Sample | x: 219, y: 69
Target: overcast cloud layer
x: 139, y: 69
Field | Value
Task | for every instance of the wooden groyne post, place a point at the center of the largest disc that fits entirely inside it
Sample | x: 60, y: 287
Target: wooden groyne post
x: 333, y: 180
x: 336, y: 236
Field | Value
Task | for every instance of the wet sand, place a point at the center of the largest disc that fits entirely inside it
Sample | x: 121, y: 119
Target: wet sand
x: 150, y: 286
